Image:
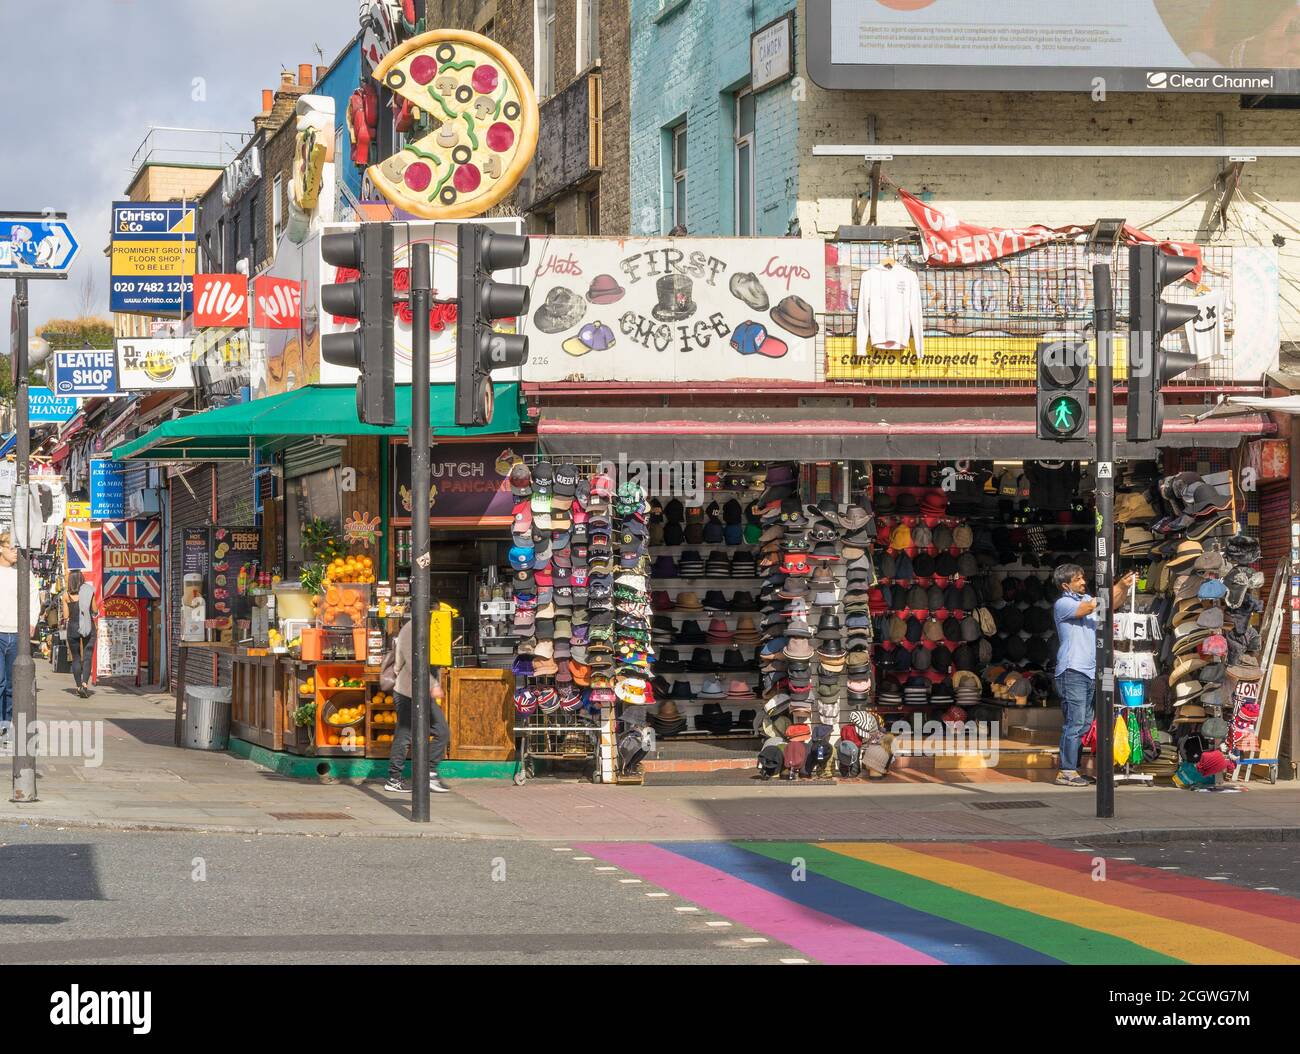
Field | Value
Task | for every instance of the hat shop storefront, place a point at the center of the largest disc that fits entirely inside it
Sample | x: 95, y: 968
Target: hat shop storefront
x: 802, y: 575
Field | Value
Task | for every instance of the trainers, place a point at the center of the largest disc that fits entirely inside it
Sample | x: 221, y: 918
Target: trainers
x: 398, y: 786
x: 437, y: 786
x: 1070, y: 779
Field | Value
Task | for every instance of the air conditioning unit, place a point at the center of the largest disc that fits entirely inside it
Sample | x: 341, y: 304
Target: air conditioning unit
x: 146, y: 501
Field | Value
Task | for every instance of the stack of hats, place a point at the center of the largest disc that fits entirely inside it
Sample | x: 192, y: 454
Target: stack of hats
x: 929, y: 606
x: 634, y: 648
x: 816, y: 624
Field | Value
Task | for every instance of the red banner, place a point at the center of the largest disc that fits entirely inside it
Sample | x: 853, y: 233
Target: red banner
x: 277, y: 303
x: 951, y: 242
x: 220, y: 300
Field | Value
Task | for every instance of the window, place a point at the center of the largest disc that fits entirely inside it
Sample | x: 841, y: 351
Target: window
x: 221, y: 245
x: 544, y: 47
x: 588, y: 50
x: 234, y: 241
x: 745, y: 164
x: 593, y: 212
x: 277, y: 210
x: 679, y: 175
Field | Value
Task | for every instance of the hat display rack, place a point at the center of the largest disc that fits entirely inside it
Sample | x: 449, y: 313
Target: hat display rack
x: 1030, y: 519
x: 815, y: 659
x: 953, y: 579
x: 704, y: 582
x: 1199, y: 595
x: 582, y: 613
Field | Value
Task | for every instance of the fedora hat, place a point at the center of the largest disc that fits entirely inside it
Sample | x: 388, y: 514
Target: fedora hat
x: 675, y: 299
x: 563, y: 308
x: 745, y: 286
x: 604, y: 289
x: 795, y: 315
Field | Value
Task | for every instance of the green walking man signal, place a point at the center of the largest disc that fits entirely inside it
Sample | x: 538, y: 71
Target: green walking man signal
x: 1062, y: 397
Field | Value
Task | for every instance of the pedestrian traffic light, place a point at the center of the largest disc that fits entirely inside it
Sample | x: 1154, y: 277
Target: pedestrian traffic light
x: 1063, y: 391
x: 369, y: 251
x: 479, y: 348
x: 1150, y: 366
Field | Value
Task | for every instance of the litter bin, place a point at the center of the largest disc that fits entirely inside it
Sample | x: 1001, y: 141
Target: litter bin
x: 207, y: 718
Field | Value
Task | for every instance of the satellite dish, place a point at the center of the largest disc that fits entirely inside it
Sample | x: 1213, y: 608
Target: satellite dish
x: 38, y: 350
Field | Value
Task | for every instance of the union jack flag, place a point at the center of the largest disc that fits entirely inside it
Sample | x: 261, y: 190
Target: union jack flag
x: 132, y: 558
x: 82, y: 548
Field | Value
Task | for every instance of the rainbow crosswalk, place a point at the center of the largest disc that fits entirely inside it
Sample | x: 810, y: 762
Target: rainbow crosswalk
x: 966, y: 903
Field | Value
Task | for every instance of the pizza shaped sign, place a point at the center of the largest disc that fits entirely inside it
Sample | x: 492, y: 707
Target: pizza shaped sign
x: 487, y: 121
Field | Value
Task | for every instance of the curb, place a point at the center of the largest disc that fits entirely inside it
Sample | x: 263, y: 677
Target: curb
x: 1184, y: 834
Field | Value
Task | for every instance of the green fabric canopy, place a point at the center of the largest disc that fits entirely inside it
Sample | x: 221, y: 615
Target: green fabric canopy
x: 231, y: 433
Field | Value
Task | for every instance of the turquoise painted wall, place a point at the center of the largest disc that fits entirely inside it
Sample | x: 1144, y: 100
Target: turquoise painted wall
x: 689, y: 57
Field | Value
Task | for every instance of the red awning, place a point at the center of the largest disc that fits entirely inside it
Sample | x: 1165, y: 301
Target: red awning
x: 880, y: 433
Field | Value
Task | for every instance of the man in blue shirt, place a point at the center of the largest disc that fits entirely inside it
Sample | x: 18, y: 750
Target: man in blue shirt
x: 1076, y: 662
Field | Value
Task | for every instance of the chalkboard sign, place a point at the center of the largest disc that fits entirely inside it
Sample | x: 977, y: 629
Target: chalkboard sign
x: 194, y: 582
x: 236, y: 559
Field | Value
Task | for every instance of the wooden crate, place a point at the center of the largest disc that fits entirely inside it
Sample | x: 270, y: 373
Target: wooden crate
x: 257, y: 700
x: 480, y: 713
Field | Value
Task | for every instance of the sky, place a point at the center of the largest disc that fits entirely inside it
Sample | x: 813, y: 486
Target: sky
x: 84, y: 80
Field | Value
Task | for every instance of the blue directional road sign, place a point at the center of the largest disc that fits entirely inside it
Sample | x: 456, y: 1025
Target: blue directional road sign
x: 36, y: 245
x: 85, y: 373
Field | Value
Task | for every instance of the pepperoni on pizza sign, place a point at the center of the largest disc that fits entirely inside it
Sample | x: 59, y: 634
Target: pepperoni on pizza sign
x: 487, y: 125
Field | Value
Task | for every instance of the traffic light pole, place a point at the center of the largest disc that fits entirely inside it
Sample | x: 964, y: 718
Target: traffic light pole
x: 24, y: 670
x: 1104, y: 462
x: 420, y: 605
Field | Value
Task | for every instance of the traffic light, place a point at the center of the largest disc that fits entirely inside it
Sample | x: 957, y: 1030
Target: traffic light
x: 1151, y: 367
x: 1063, y: 391
x: 483, y: 300
x: 369, y: 251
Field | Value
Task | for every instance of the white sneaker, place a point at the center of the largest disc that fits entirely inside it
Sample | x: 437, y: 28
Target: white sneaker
x: 437, y: 786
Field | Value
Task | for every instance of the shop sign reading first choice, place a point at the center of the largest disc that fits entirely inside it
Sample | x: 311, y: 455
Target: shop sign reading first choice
x: 153, y: 257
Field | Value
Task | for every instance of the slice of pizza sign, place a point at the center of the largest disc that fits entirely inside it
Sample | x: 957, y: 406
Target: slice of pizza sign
x: 487, y: 131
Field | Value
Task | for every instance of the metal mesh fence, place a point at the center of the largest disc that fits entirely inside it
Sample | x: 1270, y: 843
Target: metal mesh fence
x: 983, y: 323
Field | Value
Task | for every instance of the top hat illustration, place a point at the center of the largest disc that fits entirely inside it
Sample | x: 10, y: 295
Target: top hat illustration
x: 675, y: 302
x: 795, y: 315
x: 563, y: 308
x: 604, y: 289
x: 745, y: 286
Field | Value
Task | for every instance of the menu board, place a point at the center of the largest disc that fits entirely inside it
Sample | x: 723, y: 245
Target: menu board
x: 117, y: 639
x: 194, y: 581
x: 236, y: 556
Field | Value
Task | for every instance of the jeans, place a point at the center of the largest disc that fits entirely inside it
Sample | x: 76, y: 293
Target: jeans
x: 402, y: 737
x: 8, y: 653
x: 1075, y: 689
x: 81, y: 653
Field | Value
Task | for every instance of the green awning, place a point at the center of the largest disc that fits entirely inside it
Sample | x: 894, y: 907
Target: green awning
x: 231, y: 433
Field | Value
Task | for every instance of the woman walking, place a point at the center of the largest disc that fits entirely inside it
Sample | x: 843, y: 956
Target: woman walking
x: 79, y: 614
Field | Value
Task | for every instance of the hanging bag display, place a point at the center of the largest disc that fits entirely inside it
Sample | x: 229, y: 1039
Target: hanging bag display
x: 1120, y: 740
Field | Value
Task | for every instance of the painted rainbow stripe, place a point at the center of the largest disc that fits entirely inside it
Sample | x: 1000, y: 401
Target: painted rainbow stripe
x: 1017, y: 903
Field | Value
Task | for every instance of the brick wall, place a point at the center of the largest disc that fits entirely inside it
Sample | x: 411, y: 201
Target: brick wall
x: 278, y: 160
x: 512, y: 28
x: 1056, y: 191
x: 172, y: 183
x: 689, y: 65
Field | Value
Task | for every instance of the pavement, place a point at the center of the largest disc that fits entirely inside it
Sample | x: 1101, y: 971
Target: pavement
x: 104, y: 897
x: 143, y: 782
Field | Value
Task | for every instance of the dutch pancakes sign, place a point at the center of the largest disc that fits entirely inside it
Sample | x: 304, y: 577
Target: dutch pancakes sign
x: 675, y: 309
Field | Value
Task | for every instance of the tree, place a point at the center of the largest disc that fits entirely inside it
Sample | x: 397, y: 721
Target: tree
x: 70, y: 333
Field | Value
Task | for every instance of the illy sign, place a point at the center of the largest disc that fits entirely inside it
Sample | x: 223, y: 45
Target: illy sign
x: 220, y: 300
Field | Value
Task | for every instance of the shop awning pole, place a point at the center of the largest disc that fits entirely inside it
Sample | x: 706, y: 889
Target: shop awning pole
x: 420, y: 470
x: 1105, y: 465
